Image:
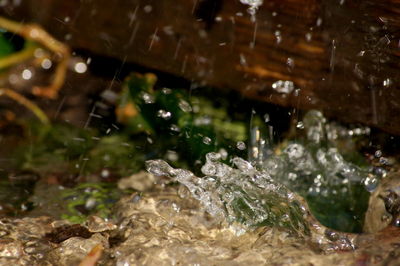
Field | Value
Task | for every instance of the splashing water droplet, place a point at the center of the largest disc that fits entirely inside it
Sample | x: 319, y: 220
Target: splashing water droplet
x: 241, y: 194
x: 371, y: 183
x: 241, y: 145
x: 147, y: 98
x: 207, y: 140
x: 164, y: 114
x: 254, y: 5
x: 283, y: 86
x: 266, y: 118
x: 175, y: 128
x: 185, y: 106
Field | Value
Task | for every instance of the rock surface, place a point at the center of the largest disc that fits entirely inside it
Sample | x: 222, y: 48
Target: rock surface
x: 167, y: 227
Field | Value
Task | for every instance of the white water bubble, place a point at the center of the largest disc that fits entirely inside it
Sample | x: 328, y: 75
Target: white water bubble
x: 27, y: 74
x: 300, y: 125
x: 172, y: 156
x: 147, y: 98
x: 175, y: 128
x: 164, y: 114
x: 290, y: 62
x: 80, y: 67
x: 166, y: 91
x: 254, y: 5
x: 207, y: 140
x: 266, y: 118
x: 295, y: 151
x: 283, y: 86
x: 241, y: 145
x: 148, y: 8
x: 185, y: 106
x: 371, y: 183
x: 278, y: 37
x: 46, y: 63
x: 223, y: 153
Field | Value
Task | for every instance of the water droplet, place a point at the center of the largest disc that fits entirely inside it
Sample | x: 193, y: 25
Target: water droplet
x: 294, y: 151
x: 80, y: 67
x: 166, y: 91
x: 397, y: 222
x: 242, y: 165
x: 266, y: 118
x: 46, y: 63
x: 147, y: 8
x: 185, y: 106
x: 300, y: 125
x: 254, y: 5
x: 283, y: 86
x: 290, y: 62
x: 147, y: 98
x: 387, y: 82
x: 371, y: 183
x: 308, y: 36
x: 278, y: 37
x: 172, y: 156
x: 207, y: 140
x: 223, y: 153
x: 243, y: 60
x: 241, y: 145
x: 27, y: 74
x: 164, y: 114
x: 175, y: 128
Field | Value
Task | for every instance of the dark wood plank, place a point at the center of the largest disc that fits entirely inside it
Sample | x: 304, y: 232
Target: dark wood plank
x: 342, y: 56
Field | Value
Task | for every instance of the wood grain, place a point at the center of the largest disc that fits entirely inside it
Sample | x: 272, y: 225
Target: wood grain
x: 342, y: 56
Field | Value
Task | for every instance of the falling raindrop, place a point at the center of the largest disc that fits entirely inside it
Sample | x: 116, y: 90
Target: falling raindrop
x: 278, y: 37
x: 266, y: 118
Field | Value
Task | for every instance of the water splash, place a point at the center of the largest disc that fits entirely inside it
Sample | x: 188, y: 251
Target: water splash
x: 265, y: 190
x: 336, y: 189
x: 253, y: 6
x: 241, y: 194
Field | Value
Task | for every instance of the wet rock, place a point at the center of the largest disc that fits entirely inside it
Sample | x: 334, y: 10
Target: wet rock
x: 73, y: 250
x: 96, y: 225
x: 168, y: 227
x: 384, y: 204
x: 64, y: 232
x: 21, y: 240
x: 10, y: 248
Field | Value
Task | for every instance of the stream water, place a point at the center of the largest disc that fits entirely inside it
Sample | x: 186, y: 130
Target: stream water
x: 263, y: 191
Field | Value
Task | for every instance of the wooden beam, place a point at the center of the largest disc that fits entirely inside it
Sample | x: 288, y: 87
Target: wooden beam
x: 341, y: 57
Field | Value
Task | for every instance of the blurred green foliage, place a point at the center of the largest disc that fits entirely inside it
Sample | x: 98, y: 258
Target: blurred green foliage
x: 6, y: 47
x: 90, y: 199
